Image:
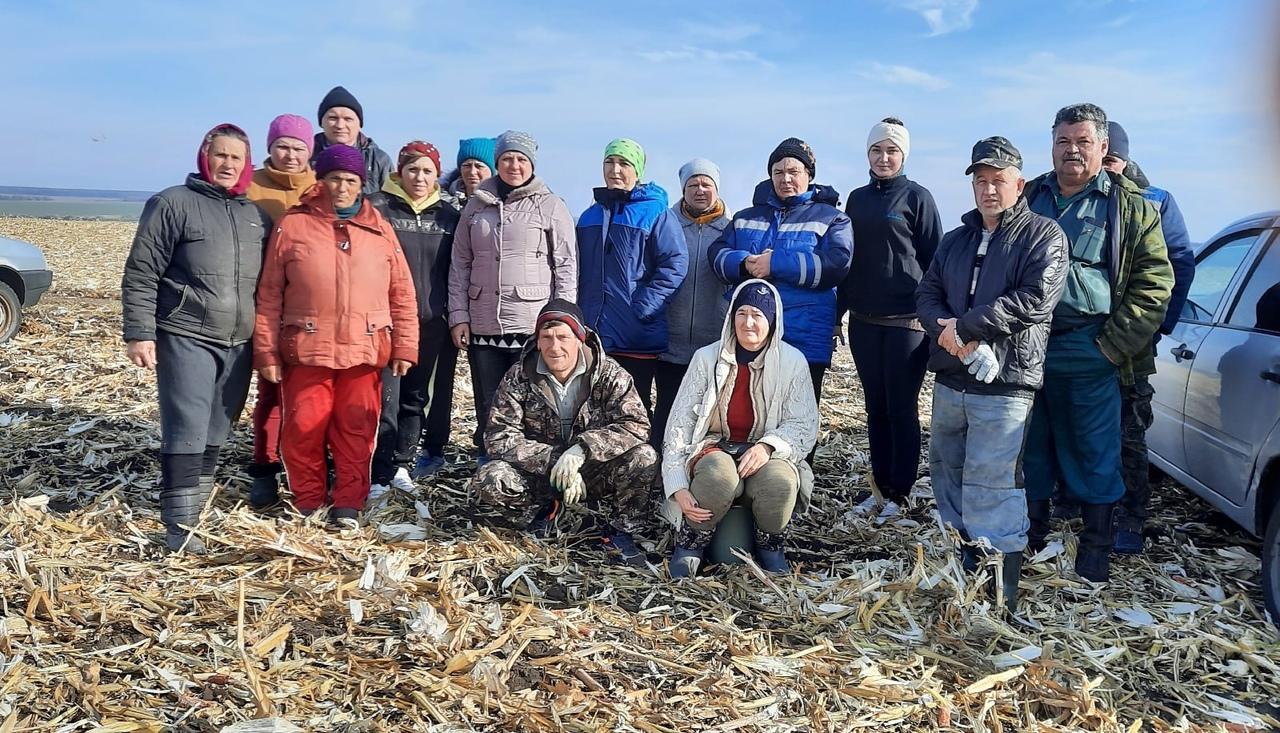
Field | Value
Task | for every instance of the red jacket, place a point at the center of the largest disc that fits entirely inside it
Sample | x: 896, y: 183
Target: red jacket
x: 334, y: 293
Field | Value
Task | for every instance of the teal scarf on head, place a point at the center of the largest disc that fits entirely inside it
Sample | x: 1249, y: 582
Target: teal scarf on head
x: 350, y: 211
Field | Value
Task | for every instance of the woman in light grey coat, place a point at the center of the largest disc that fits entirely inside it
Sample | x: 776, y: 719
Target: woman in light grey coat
x: 513, y: 251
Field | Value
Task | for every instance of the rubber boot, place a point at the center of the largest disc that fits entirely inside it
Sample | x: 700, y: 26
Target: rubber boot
x: 1093, y: 555
x: 1038, y: 517
x: 1010, y: 572
x: 180, y: 510
x: 769, y: 553
x: 265, y: 489
x: 969, y: 555
x: 685, y: 561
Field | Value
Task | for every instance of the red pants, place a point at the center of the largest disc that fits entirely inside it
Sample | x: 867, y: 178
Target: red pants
x: 334, y: 410
x: 266, y: 424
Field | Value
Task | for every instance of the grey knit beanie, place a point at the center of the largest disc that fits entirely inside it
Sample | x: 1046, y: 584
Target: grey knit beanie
x: 520, y: 142
x: 699, y: 167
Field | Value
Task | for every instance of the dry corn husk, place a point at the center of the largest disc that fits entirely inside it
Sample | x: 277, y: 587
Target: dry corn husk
x: 426, y: 619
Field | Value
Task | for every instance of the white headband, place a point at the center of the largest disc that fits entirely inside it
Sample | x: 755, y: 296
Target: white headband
x: 896, y: 134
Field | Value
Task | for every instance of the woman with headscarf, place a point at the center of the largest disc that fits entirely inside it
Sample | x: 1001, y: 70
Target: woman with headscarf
x: 335, y: 306
x: 793, y: 236
x: 187, y: 294
x: 896, y: 230
x: 423, y: 219
x: 276, y: 187
x: 743, y: 421
x: 513, y: 251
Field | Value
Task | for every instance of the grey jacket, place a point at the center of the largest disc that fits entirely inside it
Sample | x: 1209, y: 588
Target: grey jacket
x: 511, y: 257
x: 194, y: 265
x: 695, y: 313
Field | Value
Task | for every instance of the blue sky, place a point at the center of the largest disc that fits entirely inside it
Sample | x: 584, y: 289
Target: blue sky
x: 117, y: 95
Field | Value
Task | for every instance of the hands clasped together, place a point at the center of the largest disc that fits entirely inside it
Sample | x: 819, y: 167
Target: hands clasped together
x: 978, y: 355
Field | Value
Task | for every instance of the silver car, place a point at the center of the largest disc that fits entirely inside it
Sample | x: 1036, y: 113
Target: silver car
x: 1217, y: 387
x: 24, y: 277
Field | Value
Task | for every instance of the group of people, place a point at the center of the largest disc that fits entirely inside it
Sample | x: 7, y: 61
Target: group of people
x: 639, y: 354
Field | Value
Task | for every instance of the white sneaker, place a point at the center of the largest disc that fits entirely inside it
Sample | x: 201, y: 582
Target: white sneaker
x: 377, y: 491
x: 402, y: 482
x: 868, y: 506
x: 890, y: 510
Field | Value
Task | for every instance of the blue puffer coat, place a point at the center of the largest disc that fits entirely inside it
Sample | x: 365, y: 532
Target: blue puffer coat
x: 631, y: 258
x: 812, y: 243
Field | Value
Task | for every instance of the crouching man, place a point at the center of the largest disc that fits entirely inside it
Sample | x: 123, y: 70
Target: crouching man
x: 986, y: 302
x: 567, y: 425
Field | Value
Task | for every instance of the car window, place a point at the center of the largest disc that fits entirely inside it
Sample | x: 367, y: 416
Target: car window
x: 1259, y: 303
x: 1214, y: 270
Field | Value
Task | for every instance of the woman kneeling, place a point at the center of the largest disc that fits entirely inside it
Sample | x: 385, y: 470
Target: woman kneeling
x: 742, y: 423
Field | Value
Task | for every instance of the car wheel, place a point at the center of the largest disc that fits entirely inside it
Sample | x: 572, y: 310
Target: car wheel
x: 1271, y: 565
x: 10, y: 312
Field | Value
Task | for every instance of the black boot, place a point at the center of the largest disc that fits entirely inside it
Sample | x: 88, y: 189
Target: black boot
x: 1093, y: 555
x: 180, y: 510
x: 1010, y: 572
x: 265, y: 489
x: 970, y: 555
x: 1038, y: 516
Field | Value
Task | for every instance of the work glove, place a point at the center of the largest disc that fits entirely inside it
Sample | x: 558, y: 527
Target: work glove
x: 576, y: 489
x: 565, y: 473
x: 983, y: 364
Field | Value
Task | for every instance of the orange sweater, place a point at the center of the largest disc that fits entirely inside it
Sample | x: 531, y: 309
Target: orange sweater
x: 334, y: 293
x: 277, y: 192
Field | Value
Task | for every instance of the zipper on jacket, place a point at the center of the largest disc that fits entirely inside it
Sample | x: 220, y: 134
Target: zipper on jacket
x: 235, y: 236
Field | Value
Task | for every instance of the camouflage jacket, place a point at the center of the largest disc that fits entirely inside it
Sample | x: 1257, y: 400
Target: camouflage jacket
x: 524, y: 426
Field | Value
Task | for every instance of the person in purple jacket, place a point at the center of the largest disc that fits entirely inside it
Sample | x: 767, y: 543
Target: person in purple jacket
x: 896, y: 229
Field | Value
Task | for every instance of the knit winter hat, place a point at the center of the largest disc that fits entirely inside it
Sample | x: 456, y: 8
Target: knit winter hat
x: 628, y: 150
x: 340, y: 97
x: 418, y: 149
x: 758, y: 295
x: 292, y: 126
x: 340, y: 158
x: 562, y: 311
x: 1118, y: 141
x: 794, y: 147
x: 520, y: 142
x: 699, y: 167
x: 479, y: 148
x: 896, y: 134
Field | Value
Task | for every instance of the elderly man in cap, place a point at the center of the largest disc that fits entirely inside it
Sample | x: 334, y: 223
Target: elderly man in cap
x: 567, y: 424
x: 1135, y: 399
x: 341, y: 121
x: 1118, y: 285
x: 695, y: 313
x: 986, y: 302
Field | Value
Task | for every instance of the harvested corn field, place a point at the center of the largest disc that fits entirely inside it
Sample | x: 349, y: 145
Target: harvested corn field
x: 427, y: 619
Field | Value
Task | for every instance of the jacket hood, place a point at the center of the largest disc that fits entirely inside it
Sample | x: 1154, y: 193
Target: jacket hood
x: 487, y: 191
x: 817, y: 193
x: 202, y: 160
x: 316, y: 202
x: 288, y: 181
x: 642, y: 192
x: 1135, y: 174
x: 729, y: 336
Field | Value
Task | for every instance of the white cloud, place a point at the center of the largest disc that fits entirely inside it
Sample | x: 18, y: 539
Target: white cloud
x: 688, y: 53
x: 943, y: 16
x: 893, y: 74
x: 1121, y: 20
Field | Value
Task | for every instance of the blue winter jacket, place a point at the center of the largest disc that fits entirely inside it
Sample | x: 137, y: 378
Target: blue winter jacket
x: 812, y: 243
x: 631, y: 258
x: 1181, y: 256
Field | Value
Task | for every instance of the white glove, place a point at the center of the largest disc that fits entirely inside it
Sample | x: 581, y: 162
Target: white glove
x: 566, y: 469
x: 576, y: 489
x: 983, y: 364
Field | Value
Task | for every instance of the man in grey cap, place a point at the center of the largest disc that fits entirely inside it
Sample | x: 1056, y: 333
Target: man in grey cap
x: 986, y: 302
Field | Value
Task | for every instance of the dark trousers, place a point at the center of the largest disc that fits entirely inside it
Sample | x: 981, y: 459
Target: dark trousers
x: 1135, y: 418
x: 642, y: 373
x: 404, y: 401
x: 202, y: 389
x: 488, y: 365
x: 667, y: 377
x: 891, y: 363
x: 440, y: 412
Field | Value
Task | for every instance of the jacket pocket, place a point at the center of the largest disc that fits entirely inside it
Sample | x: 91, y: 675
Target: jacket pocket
x: 299, y: 337
x: 473, y: 292
x: 183, y: 293
x: 378, y: 327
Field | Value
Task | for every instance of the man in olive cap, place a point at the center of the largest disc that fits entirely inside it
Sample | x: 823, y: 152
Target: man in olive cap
x: 986, y: 302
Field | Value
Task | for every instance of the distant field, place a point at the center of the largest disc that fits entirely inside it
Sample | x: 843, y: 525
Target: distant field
x: 72, y: 208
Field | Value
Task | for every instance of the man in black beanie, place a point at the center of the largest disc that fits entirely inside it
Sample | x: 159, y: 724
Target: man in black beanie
x: 341, y: 119
x: 567, y: 424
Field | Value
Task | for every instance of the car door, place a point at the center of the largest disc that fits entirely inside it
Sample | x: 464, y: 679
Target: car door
x: 1217, y: 266
x: 1233, y: 389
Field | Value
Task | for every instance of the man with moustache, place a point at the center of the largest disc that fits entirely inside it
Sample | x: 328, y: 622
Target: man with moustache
x: 986, y: 302
x: 1118, y: 284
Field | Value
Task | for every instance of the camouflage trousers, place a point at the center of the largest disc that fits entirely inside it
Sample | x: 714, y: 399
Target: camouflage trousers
x: 622, y: 485
x: 1135, y: 418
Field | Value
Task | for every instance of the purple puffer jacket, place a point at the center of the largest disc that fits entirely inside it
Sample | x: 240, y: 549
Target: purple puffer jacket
x: 511, y: 257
